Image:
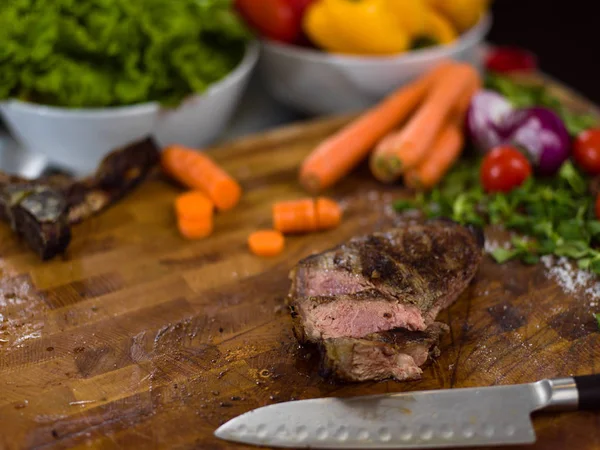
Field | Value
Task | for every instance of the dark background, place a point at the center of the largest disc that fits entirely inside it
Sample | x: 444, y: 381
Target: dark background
x: 565, y: 35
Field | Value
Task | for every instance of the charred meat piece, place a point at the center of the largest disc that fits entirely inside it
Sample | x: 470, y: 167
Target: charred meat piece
x: 118, y: 174
x: 401, y: 278
x: 42, y: 210
x: 397, y: 354
x: 39, y: 214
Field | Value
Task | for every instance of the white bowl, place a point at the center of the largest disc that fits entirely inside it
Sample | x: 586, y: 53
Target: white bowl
x: 317, y: 82
x: 78, y: 139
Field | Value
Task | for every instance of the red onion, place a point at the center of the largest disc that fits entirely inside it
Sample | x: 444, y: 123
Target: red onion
x: 542, y: 133
x: 485, y: 119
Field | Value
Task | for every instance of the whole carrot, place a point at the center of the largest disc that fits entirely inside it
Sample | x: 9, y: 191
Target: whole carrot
x: 336, y: 156
x: 445, y: 151
x: 446, y: 148
x: 405, y: 149
x: 197, y: 171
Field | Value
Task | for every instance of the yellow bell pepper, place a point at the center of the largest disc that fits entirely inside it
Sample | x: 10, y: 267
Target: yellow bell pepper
x: 411, y: 15
x: 463, y: 13
x: 316, y: 25
x: 422, y: 22
x: 439, y: 29
x: 356, y: 26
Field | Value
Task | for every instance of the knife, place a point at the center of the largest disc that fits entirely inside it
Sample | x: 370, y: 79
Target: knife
x: 497, y: 415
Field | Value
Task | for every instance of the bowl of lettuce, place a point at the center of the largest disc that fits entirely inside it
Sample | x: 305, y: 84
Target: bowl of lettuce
x: 81, y: 78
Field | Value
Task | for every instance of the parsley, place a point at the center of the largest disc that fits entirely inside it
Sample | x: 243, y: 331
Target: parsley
x: 524, y: 95
x: 553, y: 216
x: 598, y: 319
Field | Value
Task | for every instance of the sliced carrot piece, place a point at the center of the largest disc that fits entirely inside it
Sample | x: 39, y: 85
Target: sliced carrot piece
x: 297, y: 216
x: 193, y: 205
x: 195, y: 229
x: 329, y: 213
x: 266, y: 242
x: 197, y: 171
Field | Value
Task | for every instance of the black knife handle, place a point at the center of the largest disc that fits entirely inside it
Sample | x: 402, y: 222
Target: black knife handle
x: 588, y: 388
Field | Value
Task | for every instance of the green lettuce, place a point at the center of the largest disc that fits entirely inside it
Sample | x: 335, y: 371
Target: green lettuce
x: 98, y: 53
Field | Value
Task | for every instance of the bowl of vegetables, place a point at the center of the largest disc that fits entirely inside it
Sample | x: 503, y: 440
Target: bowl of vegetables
x: 337, y: 56
x: 95, y: 77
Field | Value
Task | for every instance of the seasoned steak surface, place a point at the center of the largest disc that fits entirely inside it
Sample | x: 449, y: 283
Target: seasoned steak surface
x: 397, y: 354
x: 401, y: 277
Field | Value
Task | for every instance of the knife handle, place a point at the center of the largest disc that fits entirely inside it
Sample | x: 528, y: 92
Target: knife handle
x: 588, y: 388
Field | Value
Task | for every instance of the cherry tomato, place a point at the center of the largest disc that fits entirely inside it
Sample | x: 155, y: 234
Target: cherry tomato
x: 273, y: 19
x: 586, y: 151
x: 510, y: 59
x: 503, y: 169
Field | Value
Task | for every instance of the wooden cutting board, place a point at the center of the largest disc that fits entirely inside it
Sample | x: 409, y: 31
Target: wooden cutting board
x: 140, y: 339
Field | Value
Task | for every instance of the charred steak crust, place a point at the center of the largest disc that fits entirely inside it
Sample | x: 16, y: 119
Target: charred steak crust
x: 407, y: 274
x: 42, y: 211
x: 397, y: 354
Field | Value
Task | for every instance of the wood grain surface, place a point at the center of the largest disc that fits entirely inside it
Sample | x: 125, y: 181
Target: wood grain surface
x: 140, y: 339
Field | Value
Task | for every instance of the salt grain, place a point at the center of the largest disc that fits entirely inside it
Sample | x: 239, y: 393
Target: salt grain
x: 572, y: 279
x: 568, y: 277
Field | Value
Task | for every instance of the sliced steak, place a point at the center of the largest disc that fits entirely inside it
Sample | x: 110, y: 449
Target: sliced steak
x: 401, y: 278
x: 397, y: 354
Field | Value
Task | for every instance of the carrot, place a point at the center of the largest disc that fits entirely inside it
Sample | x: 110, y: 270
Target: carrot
x: 336, y: 156
x: 405, y: 149
x: 193, y: 205
x: 296, y: 216
x: 195, y: 229
x: 462, y: 106
x: 329, y: 213
x: 197, y: 171
x: 266, y: 242
x: 445, y: 151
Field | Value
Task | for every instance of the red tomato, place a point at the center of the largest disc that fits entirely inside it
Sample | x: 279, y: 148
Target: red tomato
x: 510, y: 59
x: 503, y: 169
x: 274, y: 19
x: 598, y: 207
x: 586, y: 151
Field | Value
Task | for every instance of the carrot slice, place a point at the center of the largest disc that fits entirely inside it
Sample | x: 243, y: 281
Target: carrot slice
x: 329, y: 213
x: 195, y: 229
x: 336, y: 156
x: 193, y: 205
x: 444, y: 153
x: 297, y: 216
x: 266, y: 243
x: 405, y: 149
x: 197, y: 171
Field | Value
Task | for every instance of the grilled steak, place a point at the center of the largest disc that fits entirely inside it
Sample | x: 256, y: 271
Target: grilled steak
x: 401, y: 278
x: 394, y: 354
x: 42, y: 210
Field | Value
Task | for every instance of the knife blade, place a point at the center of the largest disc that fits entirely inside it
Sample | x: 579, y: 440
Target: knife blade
x: 497, y: 415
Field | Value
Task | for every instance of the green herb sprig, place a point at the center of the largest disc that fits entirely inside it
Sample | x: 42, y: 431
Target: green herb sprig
x: 552, y: 216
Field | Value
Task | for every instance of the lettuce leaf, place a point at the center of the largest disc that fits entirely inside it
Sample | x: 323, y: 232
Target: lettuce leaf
x: 99, y: 53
